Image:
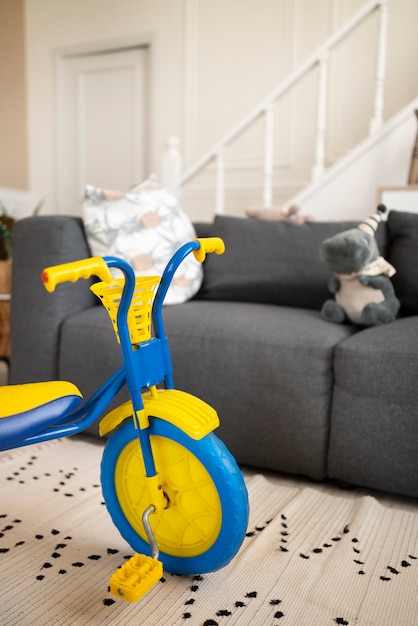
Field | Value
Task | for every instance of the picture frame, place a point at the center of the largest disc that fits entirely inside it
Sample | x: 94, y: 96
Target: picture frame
x: 399, y: 198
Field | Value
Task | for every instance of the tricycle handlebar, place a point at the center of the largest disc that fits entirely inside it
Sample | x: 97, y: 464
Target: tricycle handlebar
x: 207, y: 245
x: 99, y: 267
x: 71, y: 272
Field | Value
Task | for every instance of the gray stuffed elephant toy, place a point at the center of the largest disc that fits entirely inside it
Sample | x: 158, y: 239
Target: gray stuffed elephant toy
x: 361, y: 282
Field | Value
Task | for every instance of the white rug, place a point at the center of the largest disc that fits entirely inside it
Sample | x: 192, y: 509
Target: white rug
x: 309, y: 558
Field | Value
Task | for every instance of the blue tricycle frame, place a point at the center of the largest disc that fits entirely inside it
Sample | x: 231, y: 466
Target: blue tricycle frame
x: 172, y: 488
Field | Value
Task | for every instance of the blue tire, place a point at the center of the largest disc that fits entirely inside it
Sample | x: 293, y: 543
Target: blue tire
x: 206, y: 519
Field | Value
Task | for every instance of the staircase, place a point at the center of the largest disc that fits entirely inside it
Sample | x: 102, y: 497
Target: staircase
x: 321, y: 171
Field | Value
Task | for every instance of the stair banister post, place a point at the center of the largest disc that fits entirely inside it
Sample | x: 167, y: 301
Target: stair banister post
x: 220, y: 181
x: 268, y: 154
x: 379, y: 91
x: 318, y: 168
x: 172, y: 165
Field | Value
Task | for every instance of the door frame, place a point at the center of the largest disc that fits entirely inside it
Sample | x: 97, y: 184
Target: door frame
x: 61, y: 55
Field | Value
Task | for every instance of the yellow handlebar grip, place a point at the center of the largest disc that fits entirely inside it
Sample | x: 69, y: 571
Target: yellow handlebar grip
x: 70, y: 272
x: 208, y: 244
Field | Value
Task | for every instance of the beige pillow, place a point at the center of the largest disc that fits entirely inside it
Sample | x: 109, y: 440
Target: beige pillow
x: 145, y: 226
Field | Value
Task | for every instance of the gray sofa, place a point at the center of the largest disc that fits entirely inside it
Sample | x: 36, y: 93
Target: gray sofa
x: 294, y: 393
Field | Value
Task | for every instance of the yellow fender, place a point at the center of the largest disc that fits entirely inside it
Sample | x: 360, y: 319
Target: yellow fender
x: 188, y: 413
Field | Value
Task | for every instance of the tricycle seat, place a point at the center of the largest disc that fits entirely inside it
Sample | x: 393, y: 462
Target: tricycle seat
x: 28, y: 409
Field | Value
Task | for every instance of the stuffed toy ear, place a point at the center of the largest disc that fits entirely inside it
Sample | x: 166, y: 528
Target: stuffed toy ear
x: 361, y: 282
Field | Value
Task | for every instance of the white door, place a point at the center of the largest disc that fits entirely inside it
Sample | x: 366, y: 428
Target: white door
x: 101, y: 123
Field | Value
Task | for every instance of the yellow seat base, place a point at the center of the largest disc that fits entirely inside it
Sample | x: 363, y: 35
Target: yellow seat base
x: 15, y: 399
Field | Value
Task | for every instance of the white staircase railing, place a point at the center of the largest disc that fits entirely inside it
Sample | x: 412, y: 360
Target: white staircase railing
x: 172, y: 165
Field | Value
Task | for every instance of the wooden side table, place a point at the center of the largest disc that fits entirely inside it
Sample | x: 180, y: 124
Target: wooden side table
x: 5, y: 326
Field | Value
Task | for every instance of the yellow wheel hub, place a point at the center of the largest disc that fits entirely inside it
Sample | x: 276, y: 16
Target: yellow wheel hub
x: 191, y: 523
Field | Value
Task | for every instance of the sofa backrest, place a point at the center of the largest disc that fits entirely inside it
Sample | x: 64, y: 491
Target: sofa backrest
x: 36, y: 316
x: 403, y: 255
x: 274, y: 262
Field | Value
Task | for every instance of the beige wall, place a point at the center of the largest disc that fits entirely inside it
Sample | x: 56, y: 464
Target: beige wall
x: 212, y: 61
x: 13, y: 138
x: 62, y: 25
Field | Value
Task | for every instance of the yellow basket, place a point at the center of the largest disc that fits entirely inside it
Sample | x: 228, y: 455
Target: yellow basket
x: 139, y: 315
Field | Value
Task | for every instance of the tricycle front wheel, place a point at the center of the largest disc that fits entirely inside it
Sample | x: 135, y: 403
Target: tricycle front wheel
x: 205, y: 521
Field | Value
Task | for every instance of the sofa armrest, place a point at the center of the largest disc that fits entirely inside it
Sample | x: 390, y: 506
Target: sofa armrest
x: 36, y: 316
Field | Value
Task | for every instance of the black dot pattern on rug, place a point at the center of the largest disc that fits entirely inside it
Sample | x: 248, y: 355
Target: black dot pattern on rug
x: 284, y: 534
x: 58, y: 544
x: 398, y: 568
x: 392, y: 570
x: 61, y: 480
x: 256, y: 530
x: 326, y: 545
x: 73, y: 566
x: 58, y: 551
x: 61, y: 554
x: 238, y: 610
x: 278, y: 614
x: 224, y: 613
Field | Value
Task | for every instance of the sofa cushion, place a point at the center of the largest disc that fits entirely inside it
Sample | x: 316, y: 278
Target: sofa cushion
x: 268, y: 372
x: 273, y: 262
x: 403, y: 233
x: 255, y: 359
x: 373, y: 438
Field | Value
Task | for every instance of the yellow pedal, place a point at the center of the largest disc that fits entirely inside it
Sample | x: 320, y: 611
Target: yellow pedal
x: 136, y: 577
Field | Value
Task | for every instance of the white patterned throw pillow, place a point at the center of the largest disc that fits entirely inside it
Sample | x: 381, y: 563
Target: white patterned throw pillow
x: 144, y: 226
